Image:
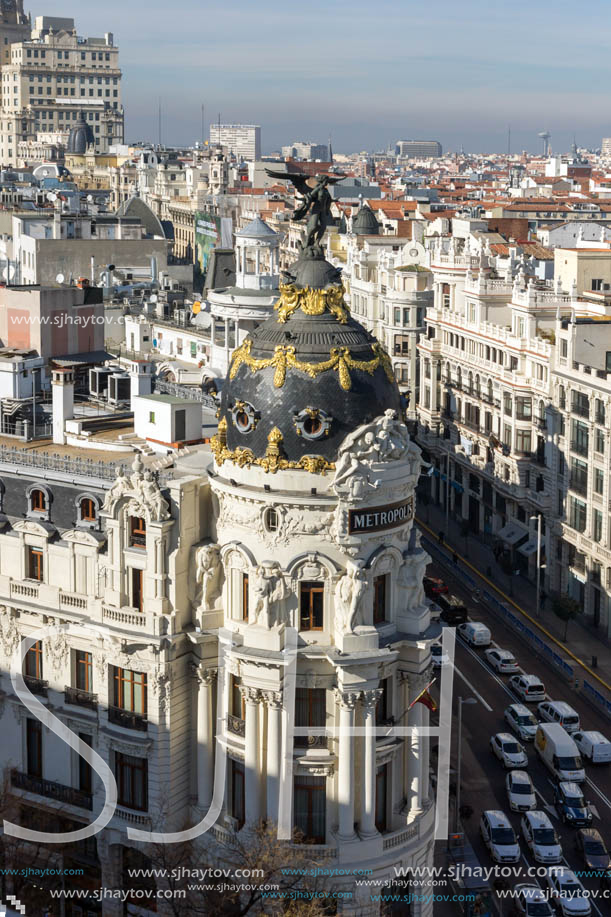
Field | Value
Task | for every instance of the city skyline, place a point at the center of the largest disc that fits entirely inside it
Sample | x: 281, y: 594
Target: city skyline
x: 367, y: 76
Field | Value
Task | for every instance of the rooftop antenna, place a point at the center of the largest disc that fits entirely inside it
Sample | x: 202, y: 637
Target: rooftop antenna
x: 509, y: 140
x: 203, y: 128
x: 159, y: 125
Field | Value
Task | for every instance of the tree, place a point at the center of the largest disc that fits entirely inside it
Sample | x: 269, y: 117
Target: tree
x: 566, y: 609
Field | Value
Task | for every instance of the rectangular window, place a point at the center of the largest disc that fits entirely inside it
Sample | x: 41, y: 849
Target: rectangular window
x: 83, y: 665
x: 136, y: 587
x: 151, y: 417
x: 35, y: 564
x: 379, y: 599
x: 85, y: 771
x: 578, y: 515
x: 580, y: 404
x: 599, y: 441
x: 310, y: 805
x: 599, y: 480
x: 137, y: 531
x: 245, y: 596
x: 523, y: 441
x: 129, y: 690
x: 383, y: 705
x: 580, y: 437
x: 579, y: 476
x: 381, y: 797
x: 131, y: 775
x: 599, y: 411
x: 597, y: 532
x: 507, y: 406
x: 237, y: 703
x: 311, y: 605
x: 237, y: 793
x: 310, y: 712
x: 33, y: 661
x: 34, y: 747
x: 523, y: 408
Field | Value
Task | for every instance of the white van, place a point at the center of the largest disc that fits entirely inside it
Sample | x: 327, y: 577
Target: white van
x: 559, y: 753
x: 475, y: 633
x: 593, y: 746
x: 558, y: 711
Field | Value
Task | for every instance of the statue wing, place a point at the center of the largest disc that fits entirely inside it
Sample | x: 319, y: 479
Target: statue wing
x: 296, y: 178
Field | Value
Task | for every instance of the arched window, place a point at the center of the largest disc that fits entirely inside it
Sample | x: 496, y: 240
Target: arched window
x: 88, y: 510
x: 38, y: 501
x: 137, y: 531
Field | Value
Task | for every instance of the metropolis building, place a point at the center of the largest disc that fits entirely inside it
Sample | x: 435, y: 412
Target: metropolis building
x: 255, y: 617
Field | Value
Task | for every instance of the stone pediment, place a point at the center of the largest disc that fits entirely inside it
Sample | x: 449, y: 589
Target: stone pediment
x: 32, y: 527
x: 86, y: 537
x: 141, y: 490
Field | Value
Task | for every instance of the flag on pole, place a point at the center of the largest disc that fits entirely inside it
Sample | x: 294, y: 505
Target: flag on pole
x: 425, y: 698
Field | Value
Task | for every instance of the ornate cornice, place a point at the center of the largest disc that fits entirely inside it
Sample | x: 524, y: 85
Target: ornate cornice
x: 347, y: 699
x: 272, y: 461
x: 312, y: 302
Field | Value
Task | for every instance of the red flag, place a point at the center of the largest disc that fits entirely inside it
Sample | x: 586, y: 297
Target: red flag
x: 426, y: 699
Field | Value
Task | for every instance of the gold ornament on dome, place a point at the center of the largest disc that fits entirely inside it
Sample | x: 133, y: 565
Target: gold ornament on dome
x: 272, y: 461
x: 311, y: 301
x: 284, y: 358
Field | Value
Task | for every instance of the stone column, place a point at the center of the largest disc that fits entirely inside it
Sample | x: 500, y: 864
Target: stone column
x: 252, y: 787
x: 414, y: 766
x: 273, y: 699
x: 345, y: 771
x: 368, y: 815
x: 257, y: 260
x: 205, y: 735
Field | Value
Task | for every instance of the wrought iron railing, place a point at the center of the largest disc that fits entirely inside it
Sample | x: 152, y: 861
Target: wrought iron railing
x: 51, y: 790
x: 128, y: 719
x: 80, y: 698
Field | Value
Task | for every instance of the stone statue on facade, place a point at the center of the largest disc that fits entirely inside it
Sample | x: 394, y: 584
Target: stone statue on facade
x: 382, y: 440
x: 270, y: 590
x: 410, y: 578
x: 349, y: 593
x: 316, y: 201
x: 208, y: 570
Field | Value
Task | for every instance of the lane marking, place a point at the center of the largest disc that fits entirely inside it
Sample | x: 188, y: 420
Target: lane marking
x: 477, y: 694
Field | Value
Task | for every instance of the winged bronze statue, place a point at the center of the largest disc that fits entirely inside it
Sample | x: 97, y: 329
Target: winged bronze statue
x: 316, y: 201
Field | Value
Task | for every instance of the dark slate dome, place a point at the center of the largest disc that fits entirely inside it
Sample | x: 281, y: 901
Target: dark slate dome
x: 305, y: 378
x: 80, y: 137
x: 365, y: 223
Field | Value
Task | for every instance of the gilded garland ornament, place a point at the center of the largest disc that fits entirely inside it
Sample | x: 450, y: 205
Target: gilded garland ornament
x: 284, y: 358
x: 312, y: 302
x: 273, y: 460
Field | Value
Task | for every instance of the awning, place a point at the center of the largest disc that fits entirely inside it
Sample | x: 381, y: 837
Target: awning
x: 531, y: 547
x: 512, y: 533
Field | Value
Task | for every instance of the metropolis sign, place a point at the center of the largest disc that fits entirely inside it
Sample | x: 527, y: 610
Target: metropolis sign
x: 377, y: 518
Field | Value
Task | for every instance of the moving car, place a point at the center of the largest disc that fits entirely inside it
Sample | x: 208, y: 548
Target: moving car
x: 557, y: 711
x: 541, y: 838
x: 499, y: 837
x: 522, y: 721
x: 571, y: 805
x: 507, y: 750
x: 567, y: 893
x: 520, y: 791
x: 593, y: 746
x: 433, y: 586
x: 453, y: 610
x: 438, y: 656
x: 528, y: 687
x: 559, y: 753
x: 591, y: 847
x: 531, y: 901
x: 475, y: 633
x: 502, y: 661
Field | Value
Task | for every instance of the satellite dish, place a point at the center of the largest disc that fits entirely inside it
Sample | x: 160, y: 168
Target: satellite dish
x: 153, y: 298
x: 90, y: 198
x: 51, y: 196
x: 60, y: 278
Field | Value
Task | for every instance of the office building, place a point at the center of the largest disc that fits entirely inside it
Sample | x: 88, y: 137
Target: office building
x: 241, y: 140
x: 419, y: 149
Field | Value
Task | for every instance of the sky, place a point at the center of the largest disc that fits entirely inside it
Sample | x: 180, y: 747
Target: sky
x: 368, y: 73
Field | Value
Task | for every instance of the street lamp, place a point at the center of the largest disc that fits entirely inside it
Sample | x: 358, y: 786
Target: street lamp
x: 538, y: 517
x: 467, y: 700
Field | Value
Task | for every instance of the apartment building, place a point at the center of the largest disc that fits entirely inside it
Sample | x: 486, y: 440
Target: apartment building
x: 53, y: 77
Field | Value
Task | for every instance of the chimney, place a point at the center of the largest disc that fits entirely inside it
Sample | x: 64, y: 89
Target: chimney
x: 141, y: 379
x: 62, y: 384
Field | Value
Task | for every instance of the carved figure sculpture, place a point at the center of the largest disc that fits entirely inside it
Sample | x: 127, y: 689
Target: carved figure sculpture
x: 208, y: 573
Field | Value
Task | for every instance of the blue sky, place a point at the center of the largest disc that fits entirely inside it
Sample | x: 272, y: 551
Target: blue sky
x: 368, y: 72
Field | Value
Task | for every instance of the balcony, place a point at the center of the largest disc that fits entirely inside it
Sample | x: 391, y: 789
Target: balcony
x: 66, y: 794
x: 36, y: 685
x: 580, y: 448
x: 582, y: 410
x: 236, y: 726
x: 80, y: 698
x: 128, y: 719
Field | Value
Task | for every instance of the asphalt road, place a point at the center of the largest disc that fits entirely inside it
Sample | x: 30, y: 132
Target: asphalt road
x: 483, y: 776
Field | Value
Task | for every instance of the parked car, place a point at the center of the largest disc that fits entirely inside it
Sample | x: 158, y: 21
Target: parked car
x: 593, y: 746
x: 528, y: 687
x: 453, y: 610
x: 438, y: 656
x: 499, y: 837
x: 557, y: 711
x: 570, y: 804
x: 433, y: 586
x: 522, y: 721
x: 531, y: 901
x: 475, y: 633
x: 567, y: 893
x: 520, y: 791
x: 591, y: 847
x: 502, y: 661
x: 540, y: 836
x: 508, y: 751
